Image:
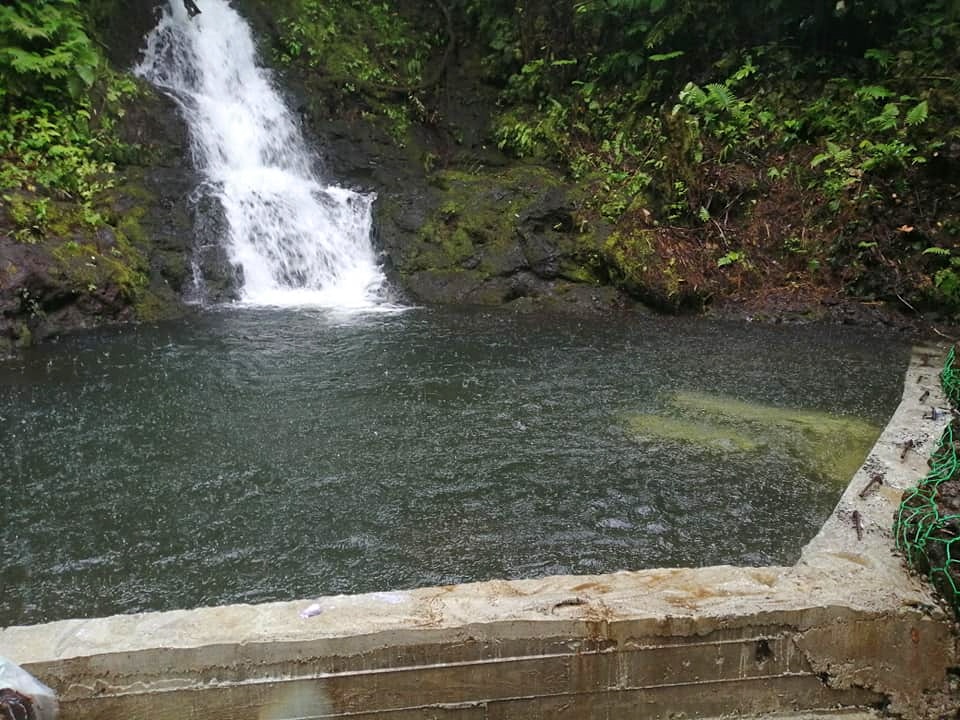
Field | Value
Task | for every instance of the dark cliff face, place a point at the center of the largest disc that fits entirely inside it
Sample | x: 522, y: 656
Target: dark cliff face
x: 122, y: 26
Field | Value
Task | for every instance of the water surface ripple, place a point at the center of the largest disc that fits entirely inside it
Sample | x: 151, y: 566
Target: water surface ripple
x: 254, y: 455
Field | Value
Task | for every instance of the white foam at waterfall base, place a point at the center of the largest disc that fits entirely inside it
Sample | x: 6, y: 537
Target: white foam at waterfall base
x: 296, y: 240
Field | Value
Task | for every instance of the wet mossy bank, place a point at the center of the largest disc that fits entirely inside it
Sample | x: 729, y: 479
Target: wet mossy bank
x: 117, y: 246
x: 60, y: 272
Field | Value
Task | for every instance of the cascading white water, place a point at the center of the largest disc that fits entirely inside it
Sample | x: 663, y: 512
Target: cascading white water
x: 296, y: 240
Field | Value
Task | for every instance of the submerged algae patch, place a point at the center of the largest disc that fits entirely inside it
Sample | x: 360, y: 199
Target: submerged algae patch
x: 832, y: 446
x: 813, y: 422
x: 715, y: 436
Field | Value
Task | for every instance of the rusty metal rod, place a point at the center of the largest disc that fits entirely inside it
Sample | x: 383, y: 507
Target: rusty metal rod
x: 875, y: 482
x: 858, y: 523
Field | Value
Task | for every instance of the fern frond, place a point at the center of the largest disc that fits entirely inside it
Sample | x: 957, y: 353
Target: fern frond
x: 873, y: 92
x: 887, y: 119
x: 693, y: 94
x: 13, y: 23
x: 918, y: 114
x: 884, y: 58
x: 722, y: 96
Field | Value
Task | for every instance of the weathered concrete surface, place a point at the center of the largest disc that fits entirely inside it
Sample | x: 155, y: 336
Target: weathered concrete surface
x: 846, y: 627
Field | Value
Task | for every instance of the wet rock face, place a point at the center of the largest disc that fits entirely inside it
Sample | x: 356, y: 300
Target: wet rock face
x: 544, y: 228
x: 495, y: 237
x: 161, y: 187
x: 123, y: 25
x: 220, y: 279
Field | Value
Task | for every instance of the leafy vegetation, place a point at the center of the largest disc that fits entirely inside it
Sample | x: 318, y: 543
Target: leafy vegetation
x: 683, y: 115
x: 361, y: 49
x: 60, y: 109
x: 44, y: 50
x: 60, y: 105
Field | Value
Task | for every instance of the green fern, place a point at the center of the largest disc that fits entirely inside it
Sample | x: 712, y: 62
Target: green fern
x: 887, y: 119
x: 693, y: 94
x: 918, y: 114
x: 44, y: 49
x: 722, y: 97
x: 883, y: 58
x: 873, y: 92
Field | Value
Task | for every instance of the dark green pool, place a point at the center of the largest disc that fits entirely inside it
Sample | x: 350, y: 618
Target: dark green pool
x: 250, y: 455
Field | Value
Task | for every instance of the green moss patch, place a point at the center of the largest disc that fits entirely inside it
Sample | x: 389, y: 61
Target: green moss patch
x: 480, y: 223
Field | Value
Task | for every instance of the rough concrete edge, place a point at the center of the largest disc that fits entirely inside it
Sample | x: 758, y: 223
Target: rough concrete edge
x: 900, y: 457
x: 839, y: 579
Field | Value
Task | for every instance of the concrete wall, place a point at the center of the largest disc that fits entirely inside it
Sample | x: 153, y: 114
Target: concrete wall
x: 846, y: 627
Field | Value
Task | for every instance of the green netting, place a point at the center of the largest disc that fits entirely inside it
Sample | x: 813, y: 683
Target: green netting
x: 926, y: 527
x: 950, y: 377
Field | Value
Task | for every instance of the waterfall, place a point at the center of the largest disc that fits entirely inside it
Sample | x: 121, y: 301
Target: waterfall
x: 294, y: 239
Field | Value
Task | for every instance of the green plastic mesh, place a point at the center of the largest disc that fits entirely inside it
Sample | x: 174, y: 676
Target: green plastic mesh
x: 950, y: 377
x: 927, y: 524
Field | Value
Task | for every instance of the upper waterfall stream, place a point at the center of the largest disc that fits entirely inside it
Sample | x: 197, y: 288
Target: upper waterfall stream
x: 294, y: 239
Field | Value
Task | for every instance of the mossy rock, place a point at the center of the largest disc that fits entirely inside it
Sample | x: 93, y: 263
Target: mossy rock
x: 497, y: 224
x: 88, y: 267
x: 637, y: 260
x: 154, y: 305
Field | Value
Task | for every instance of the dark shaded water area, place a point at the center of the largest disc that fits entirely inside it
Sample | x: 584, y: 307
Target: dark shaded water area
x: 250, y: 455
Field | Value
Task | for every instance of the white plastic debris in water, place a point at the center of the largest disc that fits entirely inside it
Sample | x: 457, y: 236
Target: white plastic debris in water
x: 24, y: 697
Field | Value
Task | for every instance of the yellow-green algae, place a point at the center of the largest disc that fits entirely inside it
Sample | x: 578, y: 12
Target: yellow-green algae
x: 833, y: 446
x: 684, y: 430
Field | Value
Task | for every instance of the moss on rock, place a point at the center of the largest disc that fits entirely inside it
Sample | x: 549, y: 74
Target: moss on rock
x: 493, y: 226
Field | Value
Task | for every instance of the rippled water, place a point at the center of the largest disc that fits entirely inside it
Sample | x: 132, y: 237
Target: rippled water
x: 253, y: 455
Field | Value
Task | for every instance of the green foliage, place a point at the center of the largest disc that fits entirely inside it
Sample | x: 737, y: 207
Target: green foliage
x: 734, y: 257
x: 692, y: 112
x: 918, y: 114
x: 60, y: 108
x: 945, y: 286
x: 67, y: 150
x: 354, y: 40
x: 361, y: 49
x: 44, y: 50
x: 734, y: 123
x: 947, y: 283
x: 29, y: 216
